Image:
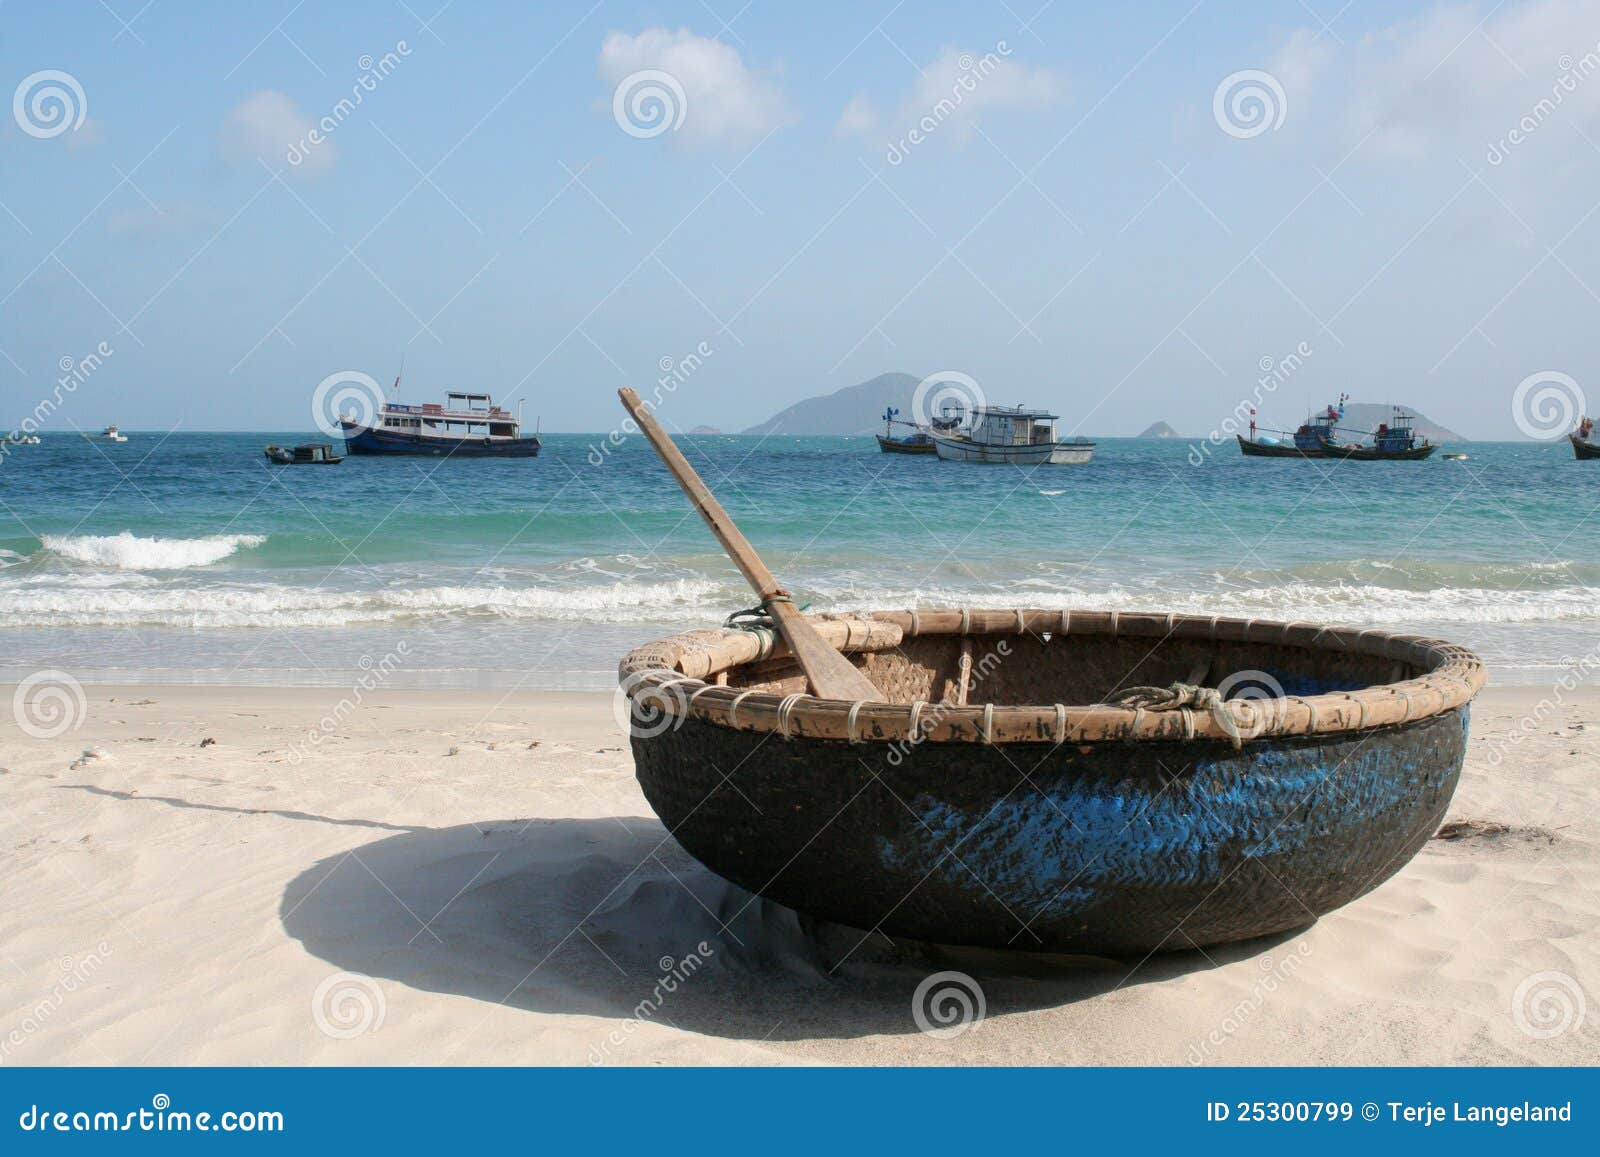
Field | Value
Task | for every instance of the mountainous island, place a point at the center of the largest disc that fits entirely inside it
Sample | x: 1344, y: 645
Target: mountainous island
x: 1367, y: 415
x: 853, y: 410
x: 859, y: 409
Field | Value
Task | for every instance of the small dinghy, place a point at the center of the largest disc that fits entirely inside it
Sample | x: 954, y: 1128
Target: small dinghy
x: 311, y: 454
x: 1090, y: 782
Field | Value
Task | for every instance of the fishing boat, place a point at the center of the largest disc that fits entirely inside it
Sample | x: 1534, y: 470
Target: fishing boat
x: 466, y: 425
x: 1011, y: 788
x: 109, y: 434
x: 310, y: 454
x: 916, y: 442
x: 920, y: 439
x: 1319, y: 437
x: 1012, y: 435
x: 1581, y: 439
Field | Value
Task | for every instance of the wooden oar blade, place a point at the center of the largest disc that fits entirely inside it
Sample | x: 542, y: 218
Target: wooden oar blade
x: 831, y: 675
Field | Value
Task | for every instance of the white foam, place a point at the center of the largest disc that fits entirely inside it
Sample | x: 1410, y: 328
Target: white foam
x: 127, y: 551
x: 72, y: 604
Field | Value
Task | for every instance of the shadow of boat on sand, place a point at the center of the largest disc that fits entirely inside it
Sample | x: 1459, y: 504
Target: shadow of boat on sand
x: 590, y: 916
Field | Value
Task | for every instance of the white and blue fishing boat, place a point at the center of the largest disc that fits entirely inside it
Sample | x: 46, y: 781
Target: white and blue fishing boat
x: 464, y: 426
x: 1012, y: 435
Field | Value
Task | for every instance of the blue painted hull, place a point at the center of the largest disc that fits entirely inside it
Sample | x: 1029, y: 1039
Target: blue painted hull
x: 1115, y: 849
x: 359, y: 439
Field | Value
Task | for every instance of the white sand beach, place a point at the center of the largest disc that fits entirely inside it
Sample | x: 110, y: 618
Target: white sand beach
x: 472, y: 878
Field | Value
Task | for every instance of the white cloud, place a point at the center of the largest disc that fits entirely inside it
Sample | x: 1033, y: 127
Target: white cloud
x: 1451, y: 80
x: 957, y: 87
x: 269, y: 125
x: 723, y: 100
x: 1301, y: 62
x: 90, y: 133
x: 859, y: 119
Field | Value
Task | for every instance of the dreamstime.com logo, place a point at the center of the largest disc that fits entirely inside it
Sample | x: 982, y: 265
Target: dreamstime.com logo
x: 48, y: 103
x: 1575, y: 673
x: 160, y: 1117
x: 648, y: 103
x: 645, y: 710
x: 674, y: 975
x: 48, y: 704
x: 1274, y: 373
x: 74, y: 372
x: 1248, y: 103
x: 945, y: 394
x: 347, y: 1005
x: 948, y: 1004
x: 1248, y: 704
x: 674, y: 373
x: 374, y: 674
x: 1547, y: 404
x: 1548, y: 1004
x: 372, y: 73
x: 348, y: 394
x: 76, y: 972
x: 1274, y: 974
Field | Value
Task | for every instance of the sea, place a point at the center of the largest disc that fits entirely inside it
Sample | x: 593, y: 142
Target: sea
x: 188, y: 558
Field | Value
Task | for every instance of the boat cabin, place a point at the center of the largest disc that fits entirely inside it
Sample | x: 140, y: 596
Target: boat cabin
x: 1398, y: 434
x: 463, y: 415
x: 1013, y: 426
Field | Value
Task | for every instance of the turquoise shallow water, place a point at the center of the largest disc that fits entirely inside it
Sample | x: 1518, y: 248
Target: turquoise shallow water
x: 189, y: 558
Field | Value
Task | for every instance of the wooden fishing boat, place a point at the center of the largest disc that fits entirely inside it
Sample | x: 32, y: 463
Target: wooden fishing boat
x: 919, y: 440
x: 1318, y: 437
x: 310, y: 454
x: 1010, y: 787
x: 1011, y: 435
x: 467, y: 425
x: 1355, y: 453
x: 1582, y: 446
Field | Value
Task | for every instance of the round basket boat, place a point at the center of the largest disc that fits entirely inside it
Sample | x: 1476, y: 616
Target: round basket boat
x: 1066, y: 781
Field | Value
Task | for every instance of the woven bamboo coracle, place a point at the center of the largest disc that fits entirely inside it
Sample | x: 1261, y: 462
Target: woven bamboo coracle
x: 1078, y: 781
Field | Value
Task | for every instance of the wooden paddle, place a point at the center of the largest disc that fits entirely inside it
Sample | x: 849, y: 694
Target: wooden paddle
x: 830, y: 674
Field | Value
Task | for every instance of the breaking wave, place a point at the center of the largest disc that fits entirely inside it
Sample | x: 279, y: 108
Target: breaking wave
x: 127, y: 551
x: 74, y: 604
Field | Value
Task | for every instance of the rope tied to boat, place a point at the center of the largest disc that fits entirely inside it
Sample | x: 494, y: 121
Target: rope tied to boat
x: 1182, y: 697
x: 759, y: 617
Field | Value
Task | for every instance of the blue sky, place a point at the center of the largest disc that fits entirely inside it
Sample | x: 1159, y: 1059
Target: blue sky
x: 1086, y: 228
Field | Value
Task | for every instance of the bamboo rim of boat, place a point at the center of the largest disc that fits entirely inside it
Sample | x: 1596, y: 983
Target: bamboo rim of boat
x: 684, y: 676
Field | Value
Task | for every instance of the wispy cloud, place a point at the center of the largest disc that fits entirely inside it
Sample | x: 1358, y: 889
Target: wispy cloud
x: 1452, y: 81
x: 859, y: 119
x: 954, y: 91
x: 725, y: 101
x: 269, y: 125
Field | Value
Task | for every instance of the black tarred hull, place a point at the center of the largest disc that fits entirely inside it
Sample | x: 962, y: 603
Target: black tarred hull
x: 1357, y: 453
x: 905, y: 446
